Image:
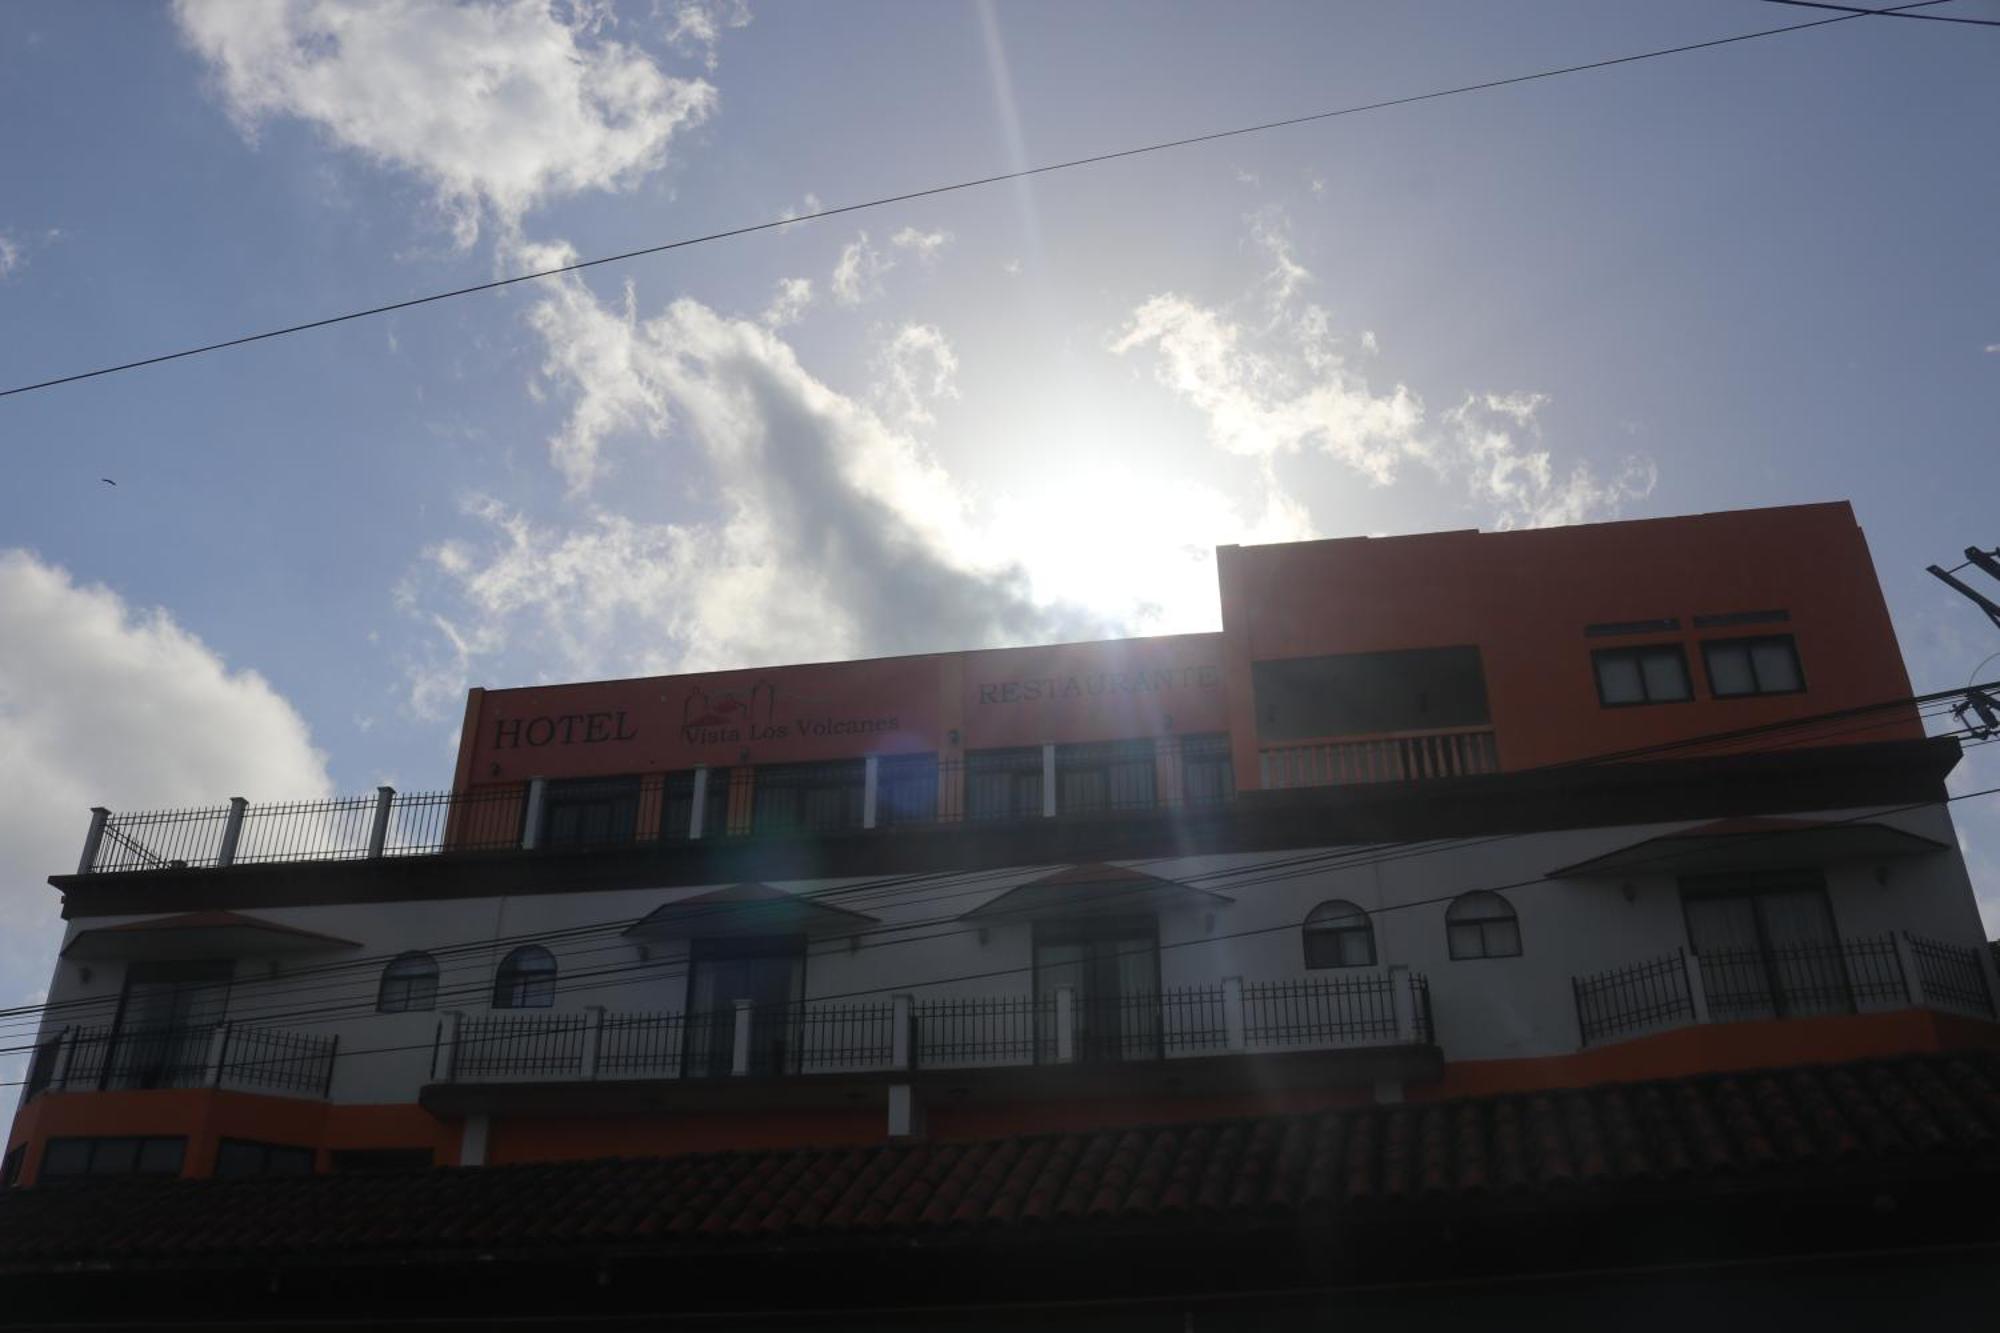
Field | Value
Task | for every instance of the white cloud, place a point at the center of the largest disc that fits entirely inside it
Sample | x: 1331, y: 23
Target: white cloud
x: 105, y: 704
x: 915, y: 368
x: 10, y: 254
x: 1993, y: 347
x: 496, y: 106
x: 858, y: 275
x: 834, y: 534
x: 788, y: 303
x: 925, y: 245
x: 1499, y: 452
x: 697, y: 26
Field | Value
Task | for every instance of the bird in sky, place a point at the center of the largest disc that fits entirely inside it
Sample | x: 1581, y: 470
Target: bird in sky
x: 107, y: 481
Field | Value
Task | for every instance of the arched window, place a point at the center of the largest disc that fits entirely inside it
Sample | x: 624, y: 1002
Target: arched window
x: 409, y: 984
x: 1339, y: 934
x: 1482, y: 924
x: 526, y: 979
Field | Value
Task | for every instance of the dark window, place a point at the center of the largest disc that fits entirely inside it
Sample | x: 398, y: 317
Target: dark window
x: 677, y: 804
x: 793, y: 798
x: 1652, y: 675
x: 1482, y: 924
x: 526, y: 979
x: 1106, y: 775
x: 10, y: 1169
x: 1728, y: 618
x: 1003, y: 784
x: 590, y: 810
x: 1339, y: 934
x: 71, y: 1159
x: 239, y: 1158
x: 409, y: 984
x: 382, y: 1161
x: 1358, y: 694
x: 1768, y: 665
x: 169, y: 1012
x: 906, y: 789
x: 1767, y: 944
x: 1208, y: 775
x: 1612, y: 628
x: 768, y: 971
x: 1112, y: 967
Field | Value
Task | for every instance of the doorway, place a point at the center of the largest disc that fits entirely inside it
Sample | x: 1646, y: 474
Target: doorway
x: 768, y: 971
x: 1767, y: 944
x: 166, y: 1016
x: 1112, y: 965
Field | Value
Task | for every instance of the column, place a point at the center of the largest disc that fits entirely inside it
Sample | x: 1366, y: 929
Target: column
x: 1232, y: 1013
x: 378, y: 832
x: 531, y: 827
x: 870, y: 783
x: 232, y: 831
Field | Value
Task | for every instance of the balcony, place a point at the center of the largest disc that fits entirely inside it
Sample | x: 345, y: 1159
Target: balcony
x: 1869, y: 974
x: 903, y: 1035
x: 1412, y: 756
x: 210, y: 1055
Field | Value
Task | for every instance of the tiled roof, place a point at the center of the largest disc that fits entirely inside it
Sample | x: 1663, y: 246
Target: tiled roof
x: 1922, y: 1116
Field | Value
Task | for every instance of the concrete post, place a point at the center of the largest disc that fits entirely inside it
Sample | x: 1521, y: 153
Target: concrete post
x: 65, y: 1050
x: 447, y: 1047
x: 906, y: 1115
x: 232, y: 832
x: 1906, y: 958
x: 472, y: 1143
x: 218, y: 1052
x: 1403, y: 1003
x: 740, y: 1061
x: 93, y: 839
x: 871, y: 778
x: 1048, y: 781
x: 1235, y: 1032
x: 698, y: 808
x: 593, y: 1039
x: 531, y: 827
x: 902, y: 1035
x: 1065, y: 1025
x: 1697, y: 988
x: 378, y: 832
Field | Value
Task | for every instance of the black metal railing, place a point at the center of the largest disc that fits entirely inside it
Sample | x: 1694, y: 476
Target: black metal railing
x: 280, y: 1061
x: 1332, y: 1011
x: 641, y: 1045
x: 1000, y: 1030
x: 199, y: 1055
x: 1630, y: 999
x: 1797, y: 980
x: 1952, y: 976
x: 836, y: 1036
x: 329, y: 830
x: 493, y: 1044
x: 41, y: 1067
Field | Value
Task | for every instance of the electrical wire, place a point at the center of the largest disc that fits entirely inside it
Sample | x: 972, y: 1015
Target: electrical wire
x: 1856, y: 11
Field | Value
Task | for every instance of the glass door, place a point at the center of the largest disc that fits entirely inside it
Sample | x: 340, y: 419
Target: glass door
x: 1112, y: 967
x: 1768, y: 949
x: 770, y: 973
x: 167, y: 1015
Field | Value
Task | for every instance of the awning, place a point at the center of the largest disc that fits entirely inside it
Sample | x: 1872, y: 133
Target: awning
x: 1092, y: 890
x: 199, y: 935
x: 747, y: 909
x: 1754, y: 844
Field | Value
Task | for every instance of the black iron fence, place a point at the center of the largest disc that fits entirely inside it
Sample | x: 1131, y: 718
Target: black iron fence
x: 1332, y: 1011
x: 1797, y: 980
x: 1631, y: 999
x: 641, y: 1045
x: 202, y: 1055
x: 550, y: 1044
x: 999, y: 1030
x: 1952, y: 976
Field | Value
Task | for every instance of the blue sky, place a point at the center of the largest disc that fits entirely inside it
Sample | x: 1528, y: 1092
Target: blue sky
x: 1755, y: 275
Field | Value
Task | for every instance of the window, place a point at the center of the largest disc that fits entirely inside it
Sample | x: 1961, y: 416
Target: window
x: 526, y: 979
x: 73, y: 1159
x: 1106, y: 775
x: 592, y: 810
x: 1208, y: 776
x: 677, y: 804
x: 382, y: 1161
x: 1339, y: 934
x: 409, y: 985
x: 1003, y: 784
x: 809, y: 797
x: 236, y: 1159
x: 1358, y: 694
x: 1482, y: 924
x: 1653, y: 675
x: 1768, y: 944
x: 1737, y: 667
x: 906, y: 789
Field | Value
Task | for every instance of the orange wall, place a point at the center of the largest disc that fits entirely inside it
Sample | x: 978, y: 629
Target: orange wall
x: 1523, y: 598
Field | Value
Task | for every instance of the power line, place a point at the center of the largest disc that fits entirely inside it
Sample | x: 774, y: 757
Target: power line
x: 1896, y: 12
x: 1046, y: 168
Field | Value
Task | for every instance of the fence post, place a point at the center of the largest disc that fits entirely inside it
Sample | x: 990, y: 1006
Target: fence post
x: 1234, y: 1034
x: 593, y: 1038
x: 871, y: 780
x: 902, y: 1028
x: 1048, y: 780
x: 332, y: 1057
x: 1989, y: 976
x: 65, y: 1052
x: 447, y: 1049
x: 93, y: 839
x: 1065, y: 1025
x: 531, y: 826
x: 1906, y: 958
x: 218, y: 1055
x: 1403, y: 1004
x: 1697, y: 988
x: 698, y: 807
x: 740, y: 1054
x: 232, y: 832
x: 378, y: 833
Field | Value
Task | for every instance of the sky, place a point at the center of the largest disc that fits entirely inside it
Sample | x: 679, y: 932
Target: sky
x: 1759, y: 274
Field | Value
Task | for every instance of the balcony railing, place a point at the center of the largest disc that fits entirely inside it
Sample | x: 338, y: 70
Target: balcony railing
x: 1866, y: 974
x: 217, y: 1055
x: 1412, y: 757
x: 802, y: 1038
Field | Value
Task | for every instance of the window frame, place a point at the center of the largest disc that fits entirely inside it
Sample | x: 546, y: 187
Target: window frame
x: 389, y: 974
x: 1748, y: 643
x: 1636, y: 651
x: 508, y: 979
x: 1325, y: 929
x: 94, y: 1143
x: 1512, y: 917
x: 265, y: 1155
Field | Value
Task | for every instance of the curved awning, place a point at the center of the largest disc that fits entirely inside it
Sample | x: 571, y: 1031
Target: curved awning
x: 747, y: 909
x: 199, y: 935
x: 1754, y: 844
x: 1092, y: 890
